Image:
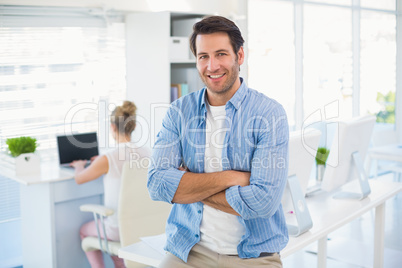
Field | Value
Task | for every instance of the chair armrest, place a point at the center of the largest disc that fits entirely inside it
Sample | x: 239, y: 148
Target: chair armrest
x: 98, y: 209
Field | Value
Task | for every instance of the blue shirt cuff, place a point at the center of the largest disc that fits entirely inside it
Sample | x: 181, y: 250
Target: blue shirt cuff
x: 232, y: 196
x: 172, y: 178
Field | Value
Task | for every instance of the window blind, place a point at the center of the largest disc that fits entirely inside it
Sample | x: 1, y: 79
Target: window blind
x: 60, y: 70
x: 54, y: 79
x: 9, y: 200
x: 39, y: 16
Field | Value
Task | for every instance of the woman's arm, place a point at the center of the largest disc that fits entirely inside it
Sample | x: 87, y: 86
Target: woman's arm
x: 97, y: 168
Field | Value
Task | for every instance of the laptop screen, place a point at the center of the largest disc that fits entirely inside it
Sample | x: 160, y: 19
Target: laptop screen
x: 77, y: 147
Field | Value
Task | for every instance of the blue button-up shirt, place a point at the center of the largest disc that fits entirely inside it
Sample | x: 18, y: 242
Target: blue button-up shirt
x: 256, y: 141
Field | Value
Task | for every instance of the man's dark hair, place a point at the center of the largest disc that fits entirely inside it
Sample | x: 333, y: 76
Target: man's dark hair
x: 214, y: 24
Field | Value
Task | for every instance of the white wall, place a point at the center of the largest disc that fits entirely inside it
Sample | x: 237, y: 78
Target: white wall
x: 221, y: 7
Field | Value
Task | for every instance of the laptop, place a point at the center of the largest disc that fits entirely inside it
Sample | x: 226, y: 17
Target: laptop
x: 81, y: 146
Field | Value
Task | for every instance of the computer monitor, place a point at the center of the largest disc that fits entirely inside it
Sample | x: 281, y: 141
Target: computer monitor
x: 302, y: 151
x: 303, y: 147
x: 345, y: 160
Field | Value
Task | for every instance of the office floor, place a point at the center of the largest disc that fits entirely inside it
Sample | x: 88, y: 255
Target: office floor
x: 351, y: 245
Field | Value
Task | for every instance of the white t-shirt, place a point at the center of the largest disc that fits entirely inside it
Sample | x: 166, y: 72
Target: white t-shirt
x: 221, y: 232
x: 112, y: 180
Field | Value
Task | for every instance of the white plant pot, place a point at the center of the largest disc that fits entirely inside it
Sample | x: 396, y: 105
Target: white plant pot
x: 320, y: 173
x: 27, y: 164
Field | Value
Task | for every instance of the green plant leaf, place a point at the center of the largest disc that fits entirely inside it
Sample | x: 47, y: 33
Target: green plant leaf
x: 21, y: 145
x: 322, y: 155
x: 387, y: 113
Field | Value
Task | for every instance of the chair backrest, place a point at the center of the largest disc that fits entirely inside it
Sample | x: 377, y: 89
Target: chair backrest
x: 139, y: 215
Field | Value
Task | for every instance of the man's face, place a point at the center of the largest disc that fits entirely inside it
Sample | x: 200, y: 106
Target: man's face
x: 217, y: 63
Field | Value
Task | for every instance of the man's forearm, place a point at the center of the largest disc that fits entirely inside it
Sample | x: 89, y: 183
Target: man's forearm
x: 219, y: 202
x: 195, y: 187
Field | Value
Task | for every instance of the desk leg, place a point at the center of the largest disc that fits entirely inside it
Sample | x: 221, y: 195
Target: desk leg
x: 322, y: 252
x: 379, y: 233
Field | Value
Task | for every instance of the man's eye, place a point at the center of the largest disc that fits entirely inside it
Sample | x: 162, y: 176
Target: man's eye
x: 221, y: 54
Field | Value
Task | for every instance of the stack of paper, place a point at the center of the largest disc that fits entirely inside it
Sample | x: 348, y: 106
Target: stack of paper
x: 156, y: 242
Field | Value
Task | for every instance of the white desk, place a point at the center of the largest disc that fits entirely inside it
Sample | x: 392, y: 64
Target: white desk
x: 392, y: 152
x: 51, y: 218
x: 328, y: 214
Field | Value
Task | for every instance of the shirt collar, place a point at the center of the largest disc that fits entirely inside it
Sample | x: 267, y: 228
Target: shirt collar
x: 236, y: 100
x: 203, y: 110
x: 239, y: 96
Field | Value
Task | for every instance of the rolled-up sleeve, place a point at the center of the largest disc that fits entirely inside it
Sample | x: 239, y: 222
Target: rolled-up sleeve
x: 269, y: 170
x: 163, y: 174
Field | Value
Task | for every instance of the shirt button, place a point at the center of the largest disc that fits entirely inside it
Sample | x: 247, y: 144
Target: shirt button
x: 199, y: 211
x: 197, y: 235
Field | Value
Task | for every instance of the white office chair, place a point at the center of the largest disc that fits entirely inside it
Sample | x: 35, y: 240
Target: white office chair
x: 138, y: 215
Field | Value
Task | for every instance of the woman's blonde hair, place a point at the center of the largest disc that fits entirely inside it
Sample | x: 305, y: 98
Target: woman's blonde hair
x: 124, y: 117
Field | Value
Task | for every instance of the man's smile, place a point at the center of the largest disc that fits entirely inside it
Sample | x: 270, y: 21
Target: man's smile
x: 216, y: 76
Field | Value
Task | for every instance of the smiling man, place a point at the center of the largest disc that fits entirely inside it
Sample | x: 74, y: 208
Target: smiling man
x: 221, y: 160
x: 218, y: 65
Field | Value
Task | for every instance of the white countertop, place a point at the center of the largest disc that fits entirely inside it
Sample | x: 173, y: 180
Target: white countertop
x: 391, y: 149
x: 392, y: 152
x: 50, y: 171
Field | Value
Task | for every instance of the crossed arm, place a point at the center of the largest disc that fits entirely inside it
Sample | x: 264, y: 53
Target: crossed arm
x: 209, y: 188
x: 257, y: 199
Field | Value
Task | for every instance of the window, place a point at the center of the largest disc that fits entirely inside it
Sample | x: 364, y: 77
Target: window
x: 327, y: 62
x: 61, y: 70
x: 378, y: 65
x: 271, y: 60
x: 59, y: 79
x: 338, y: 2
x: 383, y: 4
x: 343, y: 53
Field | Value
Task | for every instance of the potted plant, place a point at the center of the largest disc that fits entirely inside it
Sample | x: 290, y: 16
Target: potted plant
x: 321, y: 160
x: 22, y: 149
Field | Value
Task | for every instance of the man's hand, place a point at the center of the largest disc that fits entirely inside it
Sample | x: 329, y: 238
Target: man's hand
x: 183, y: 168
x: 218, y: 200
x: 241, y: 178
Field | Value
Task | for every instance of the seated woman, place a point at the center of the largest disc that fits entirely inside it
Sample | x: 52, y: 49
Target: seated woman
x: 110, y: 164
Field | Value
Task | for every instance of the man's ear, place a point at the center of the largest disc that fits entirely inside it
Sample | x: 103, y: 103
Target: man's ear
x: 240, y: 56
